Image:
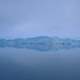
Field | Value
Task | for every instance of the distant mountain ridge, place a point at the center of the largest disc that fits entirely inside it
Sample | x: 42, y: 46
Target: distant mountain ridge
x: 41, y: 43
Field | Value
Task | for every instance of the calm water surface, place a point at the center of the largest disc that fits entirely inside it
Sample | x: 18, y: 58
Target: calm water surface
x: 23, y: 64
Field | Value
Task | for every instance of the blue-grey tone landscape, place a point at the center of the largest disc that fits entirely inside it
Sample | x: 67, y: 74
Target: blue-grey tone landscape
x: 39, y: 39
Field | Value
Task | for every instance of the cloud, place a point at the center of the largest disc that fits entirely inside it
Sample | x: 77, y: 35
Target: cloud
x: 45, y: 17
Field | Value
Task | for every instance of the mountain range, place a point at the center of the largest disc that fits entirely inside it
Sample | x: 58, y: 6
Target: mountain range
x: 41, y: 43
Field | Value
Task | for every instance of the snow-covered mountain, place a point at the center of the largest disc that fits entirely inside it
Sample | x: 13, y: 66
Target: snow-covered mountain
x: 42, y: 43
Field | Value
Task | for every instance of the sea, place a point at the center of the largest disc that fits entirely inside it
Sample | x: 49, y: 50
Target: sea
x: 28, y: 64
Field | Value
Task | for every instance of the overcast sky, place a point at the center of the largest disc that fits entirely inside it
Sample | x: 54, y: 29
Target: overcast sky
x: 24, y: 18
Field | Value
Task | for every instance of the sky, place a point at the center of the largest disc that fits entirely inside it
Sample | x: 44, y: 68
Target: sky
x: 26, y: 18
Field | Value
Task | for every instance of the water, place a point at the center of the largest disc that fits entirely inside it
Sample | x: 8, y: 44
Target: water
x: 24, y: 64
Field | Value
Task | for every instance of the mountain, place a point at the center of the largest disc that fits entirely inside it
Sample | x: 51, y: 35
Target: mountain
x: 41, y: 43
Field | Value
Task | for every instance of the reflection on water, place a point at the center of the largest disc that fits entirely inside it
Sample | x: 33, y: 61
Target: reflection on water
x: 23, y: 64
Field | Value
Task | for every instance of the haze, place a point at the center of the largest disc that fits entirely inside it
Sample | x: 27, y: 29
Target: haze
x: 25, y: 18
